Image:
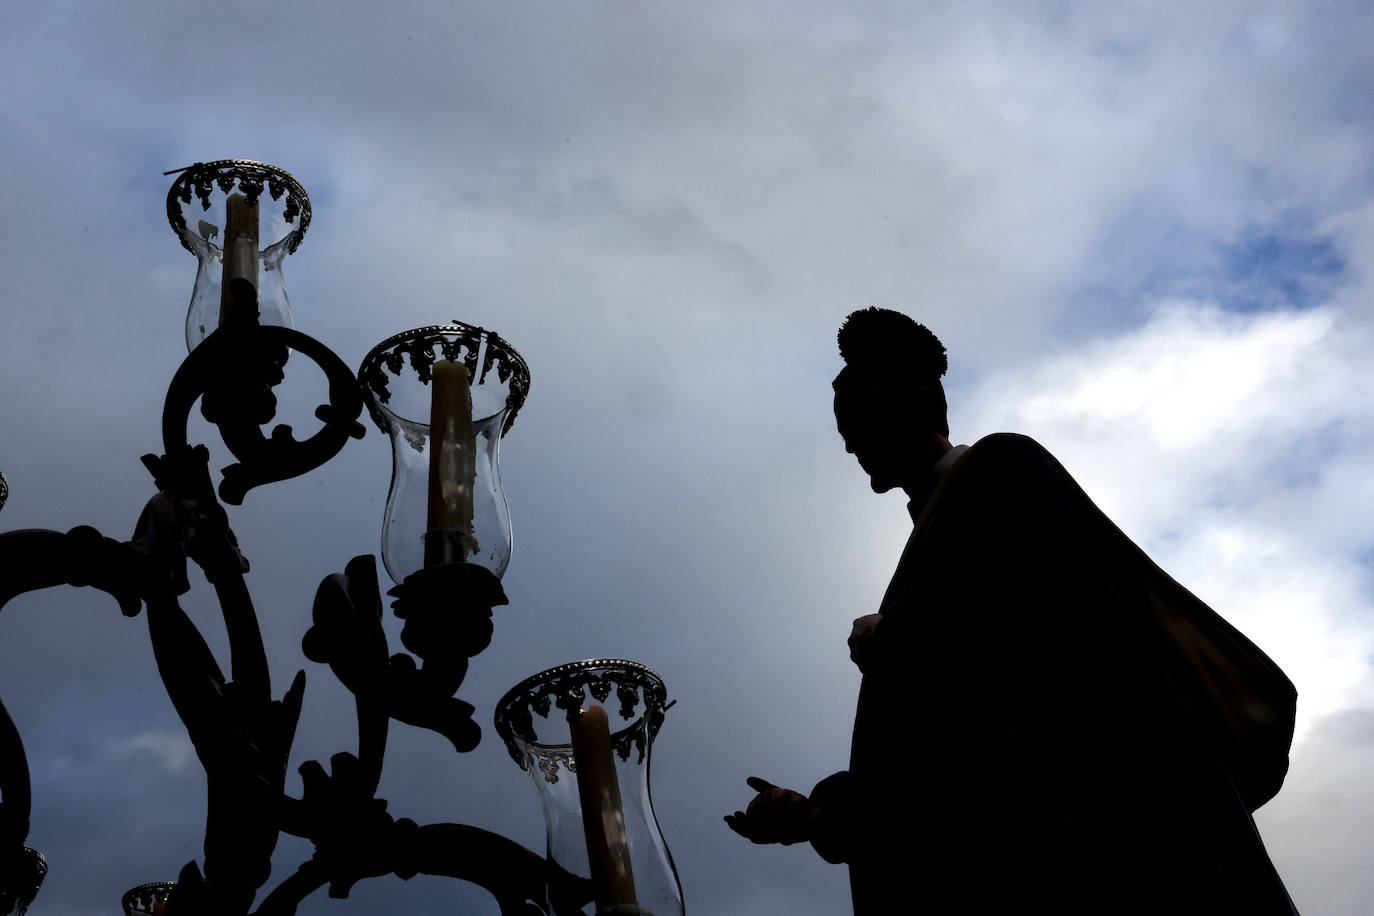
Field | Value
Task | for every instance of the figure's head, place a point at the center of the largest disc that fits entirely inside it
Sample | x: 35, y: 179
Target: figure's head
x: 889, y: 404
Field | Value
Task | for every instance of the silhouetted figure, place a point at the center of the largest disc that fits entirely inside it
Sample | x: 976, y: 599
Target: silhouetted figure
x: 1047, y: 721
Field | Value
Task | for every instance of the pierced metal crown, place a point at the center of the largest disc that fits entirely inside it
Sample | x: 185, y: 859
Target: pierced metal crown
x: 566, y: 687
x: 200, y: 180
x: 475, y: 347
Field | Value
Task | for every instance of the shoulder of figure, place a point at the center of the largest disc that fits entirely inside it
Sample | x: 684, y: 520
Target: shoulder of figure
x: 1010, y: 455
x: 1008, y: 469
x: 1008, y: 444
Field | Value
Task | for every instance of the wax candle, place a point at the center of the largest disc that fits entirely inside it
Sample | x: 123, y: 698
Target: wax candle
x: 603, y: 818
x: 240, y: 249
x: 452, y: 466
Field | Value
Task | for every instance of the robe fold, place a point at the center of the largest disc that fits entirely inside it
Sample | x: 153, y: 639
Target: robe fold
x: 1049, y: 721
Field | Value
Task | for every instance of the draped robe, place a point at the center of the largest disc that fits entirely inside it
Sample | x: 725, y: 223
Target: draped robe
x: 1049, y: 721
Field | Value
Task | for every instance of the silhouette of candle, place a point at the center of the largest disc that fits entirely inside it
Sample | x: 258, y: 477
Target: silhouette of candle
x: 240, y: 249
x: 452, y: 465
x: 603, y: 818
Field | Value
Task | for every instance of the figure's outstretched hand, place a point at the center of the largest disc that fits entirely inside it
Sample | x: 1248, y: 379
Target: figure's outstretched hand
x: 861, y: 640
x: 775, y: 815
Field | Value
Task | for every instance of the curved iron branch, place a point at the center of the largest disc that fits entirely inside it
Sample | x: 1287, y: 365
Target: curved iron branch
x: 233, y: 372
x: 14, y: 786
x: 34, y: 558
x: 243, y: 743
x: 512, y: 874
x: 447, y: 610
x: 287, y: 896
x: 347, y: 635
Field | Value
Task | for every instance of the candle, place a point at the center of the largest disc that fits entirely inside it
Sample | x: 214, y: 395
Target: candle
x: 603, y: 818
x: 240, y: 250
x: 452, y: 466
x: 159, y: 907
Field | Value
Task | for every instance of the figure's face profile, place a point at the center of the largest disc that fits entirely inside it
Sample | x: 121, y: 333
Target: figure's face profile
x: 869, y: 435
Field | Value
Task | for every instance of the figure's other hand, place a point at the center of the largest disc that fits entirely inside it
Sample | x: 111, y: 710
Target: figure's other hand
x: 861, y: 640
x: 775, y: 815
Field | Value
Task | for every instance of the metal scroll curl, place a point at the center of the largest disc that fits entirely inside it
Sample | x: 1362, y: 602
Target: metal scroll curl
x: 233, y: 373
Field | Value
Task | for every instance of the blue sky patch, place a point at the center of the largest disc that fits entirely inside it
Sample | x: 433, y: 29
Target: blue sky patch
x: 1264, y: 271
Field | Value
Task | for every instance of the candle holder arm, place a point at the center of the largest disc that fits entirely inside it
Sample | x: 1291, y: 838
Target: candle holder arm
x: 243, y: 745
x: 347, y: 635
x: 511, y: 873
x: 16, y: 796
x: 354, y: 844
x: 184, y: 520
x: 22, y: 870
x: 287, y: 896
x: 447, y: 610
x: 37, y: 558
x: 232, y: 373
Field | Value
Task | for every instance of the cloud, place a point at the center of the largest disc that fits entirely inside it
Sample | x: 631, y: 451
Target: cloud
x: 170, y: 751
x: 1318, y: 829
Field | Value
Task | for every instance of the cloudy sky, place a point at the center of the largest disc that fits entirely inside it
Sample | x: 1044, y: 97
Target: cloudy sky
x: 1145, y: 232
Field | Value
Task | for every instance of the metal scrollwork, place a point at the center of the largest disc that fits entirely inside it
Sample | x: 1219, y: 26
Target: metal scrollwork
x: 199, y: 180
x: 4, y: 490
x: 239, y: 400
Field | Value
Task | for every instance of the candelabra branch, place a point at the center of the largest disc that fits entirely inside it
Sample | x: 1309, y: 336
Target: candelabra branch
x: 36, y: 558
x: 243, y: 743
x: 287, y: 896
x: 511, y: 873
x: 247, y: 653
x: 15, y: 793
x: 232, y: 372
x: 21, y: 869
x: 447, y: 610
x: 347, y: 635
x: 184, y: 520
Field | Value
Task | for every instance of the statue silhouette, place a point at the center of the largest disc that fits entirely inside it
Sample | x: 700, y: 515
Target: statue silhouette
x: 1046, y: 719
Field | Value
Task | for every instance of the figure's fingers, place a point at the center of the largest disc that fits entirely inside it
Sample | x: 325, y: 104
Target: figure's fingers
x: 759, y: 785
x: 736, y: 822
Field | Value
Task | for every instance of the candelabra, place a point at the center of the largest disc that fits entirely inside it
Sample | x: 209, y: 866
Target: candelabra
x: 445, y: 395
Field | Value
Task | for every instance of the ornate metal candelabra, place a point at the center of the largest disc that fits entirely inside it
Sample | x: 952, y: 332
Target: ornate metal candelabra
x: 446, y: 395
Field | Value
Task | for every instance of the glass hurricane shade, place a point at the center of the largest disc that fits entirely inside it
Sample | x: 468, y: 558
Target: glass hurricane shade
x: 405, y: 523
x: 397, y: 380
x: 240, y: 219
x: 536, y: 720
